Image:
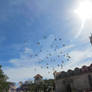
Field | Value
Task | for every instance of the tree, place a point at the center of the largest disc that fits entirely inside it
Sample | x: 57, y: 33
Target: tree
x: 3, y: 81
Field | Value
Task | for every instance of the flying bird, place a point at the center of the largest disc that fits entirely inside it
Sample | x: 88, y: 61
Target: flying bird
x: 63, y: 45
x: 49, y: 54
x: 47, y: 67
x: 36, y: 55
x: 58, y: 65
x: 58, y: 56
x: 40, y: 50
x: 44, y: 37
x: 38, y: 43
x: 69, y: 57
x: 55, y: 39
x: 47, y: 64
x: 62, y: 61
x: 60, y: 39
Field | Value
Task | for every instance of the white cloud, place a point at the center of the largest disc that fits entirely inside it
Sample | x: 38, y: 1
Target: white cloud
x: 26, y: 60
x: 25, y: 73
x: 24, y: 66
x: 78, y: 58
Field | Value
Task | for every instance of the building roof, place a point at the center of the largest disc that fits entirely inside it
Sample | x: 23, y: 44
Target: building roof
x: 38, y: 76
x: 76, y: 71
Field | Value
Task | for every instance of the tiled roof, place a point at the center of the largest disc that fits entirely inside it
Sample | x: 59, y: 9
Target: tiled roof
x: 76, y: 71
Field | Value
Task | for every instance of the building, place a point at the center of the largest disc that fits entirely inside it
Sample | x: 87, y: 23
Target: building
x: 38, y: 79
x: 23, y: 88
x: 12, y: 87
x: 77, y: 80
x: 39, y: 85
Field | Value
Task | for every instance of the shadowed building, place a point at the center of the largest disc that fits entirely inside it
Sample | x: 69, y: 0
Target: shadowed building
x: 39, y: 85
x: 23, y: 87
x: 12, y: 87
x: 74, y: 81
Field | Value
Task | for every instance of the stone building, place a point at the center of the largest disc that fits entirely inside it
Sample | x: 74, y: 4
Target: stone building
x: 38, y: 79
x: 77, y: 80
x: 39, y: 85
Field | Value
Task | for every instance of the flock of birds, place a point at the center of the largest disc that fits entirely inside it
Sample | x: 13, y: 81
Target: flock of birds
x: 52, y: 61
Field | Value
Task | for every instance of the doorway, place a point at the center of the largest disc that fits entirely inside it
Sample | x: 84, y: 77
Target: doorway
x: 68, y: 88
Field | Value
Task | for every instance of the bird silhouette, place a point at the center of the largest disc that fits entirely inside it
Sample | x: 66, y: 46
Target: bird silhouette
x: 38, y: 43
x: 51, y: 58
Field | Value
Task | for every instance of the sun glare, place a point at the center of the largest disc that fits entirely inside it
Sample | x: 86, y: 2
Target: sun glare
x: 84, y: 10
x: 84, y: 13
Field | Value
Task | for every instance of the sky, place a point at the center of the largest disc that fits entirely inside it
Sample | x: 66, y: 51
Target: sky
x: 28, y: 26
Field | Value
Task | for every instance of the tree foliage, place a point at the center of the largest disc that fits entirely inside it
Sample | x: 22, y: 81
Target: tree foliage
x: 3, y: 81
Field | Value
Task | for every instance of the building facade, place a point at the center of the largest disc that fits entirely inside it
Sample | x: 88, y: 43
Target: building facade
x: 77, y: 80
x: 38, y: 79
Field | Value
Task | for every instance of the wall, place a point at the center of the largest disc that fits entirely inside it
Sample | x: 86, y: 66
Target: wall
x: 79, y: 82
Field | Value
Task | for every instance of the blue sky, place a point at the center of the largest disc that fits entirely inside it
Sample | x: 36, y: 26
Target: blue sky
x: 23, y: 23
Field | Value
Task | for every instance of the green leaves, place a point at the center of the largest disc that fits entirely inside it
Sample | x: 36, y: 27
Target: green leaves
x: 3, y: 83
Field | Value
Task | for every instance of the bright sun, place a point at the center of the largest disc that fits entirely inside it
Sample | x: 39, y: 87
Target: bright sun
x: 84, y: 10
